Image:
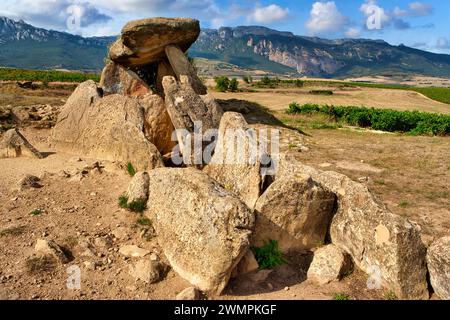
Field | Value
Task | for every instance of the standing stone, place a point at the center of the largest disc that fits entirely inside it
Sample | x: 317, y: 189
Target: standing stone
x: 138, y: 187
x: 233, y: 165
x: 378, y: 241
x: 158, y: 127
x: 116, y: 79
x: 143, y: 41
x: 329, y: 264
x: 164, y: 70
x: 204, y: 230
x: 14, y: 144
x: 182, y: 67
x: 109, y: 128
x: 296, y: 211
x: 438, y: 260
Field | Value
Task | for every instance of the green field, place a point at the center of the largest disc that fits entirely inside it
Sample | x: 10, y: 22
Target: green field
x: 10, y: 74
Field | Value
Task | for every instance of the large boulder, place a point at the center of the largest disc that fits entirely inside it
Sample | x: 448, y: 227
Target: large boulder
x: 383, y: 244
x: 329, y: 264
x: 158, y: 127
x: 296, y: 211
x: 14, y: 144
x: 438, y: 260
x: 182, y: 67
x: 143, y: 41
x: 116, y: 79
x: 204, y: 230
x: 109, y: 128
x: 233, y: 164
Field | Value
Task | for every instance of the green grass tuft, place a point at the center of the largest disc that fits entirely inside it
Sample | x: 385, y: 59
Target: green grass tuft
x: 143, y: 221
x: 123, y: 202
x: 131, y: 170
x: 36, y: 212
x: 269, y: 255
x: 138, y: 206
x: 341, y: 296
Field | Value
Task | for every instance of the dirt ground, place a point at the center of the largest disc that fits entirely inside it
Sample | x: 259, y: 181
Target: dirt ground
x: 411, y: 175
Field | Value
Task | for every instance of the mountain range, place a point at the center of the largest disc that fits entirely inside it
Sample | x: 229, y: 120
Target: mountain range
x: 25, y: 46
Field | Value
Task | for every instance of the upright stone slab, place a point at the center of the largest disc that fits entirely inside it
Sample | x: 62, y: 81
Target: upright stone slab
x: 182, y: 67
x: 438, y: 260
x: 116, y: 79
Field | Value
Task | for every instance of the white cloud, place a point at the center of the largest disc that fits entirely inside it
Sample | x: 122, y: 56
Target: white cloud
x: 353, y: 32
x: 325, y: 17
x: 443, y: 43
x: 415, y: 9
x: 269, y: 14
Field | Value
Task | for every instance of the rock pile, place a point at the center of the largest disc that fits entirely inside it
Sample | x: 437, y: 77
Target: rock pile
x: 207, y: 218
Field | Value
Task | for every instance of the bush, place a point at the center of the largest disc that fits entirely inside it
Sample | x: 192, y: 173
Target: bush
x: 131, y: 170
x: 135, y: 206
x: 234, y: 85
x: 269, y: 256
x: 247, y: 79
x: 412, y: 122
x: 222, y: 83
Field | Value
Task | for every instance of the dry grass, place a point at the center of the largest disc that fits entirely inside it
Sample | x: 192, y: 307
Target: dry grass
x: 279, y: 99
x: 40, y: 264
x: 11, y: 94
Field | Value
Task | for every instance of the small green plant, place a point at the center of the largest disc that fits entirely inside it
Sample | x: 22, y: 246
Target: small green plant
x: 123, y: 202
x: 269, y: 255
x: 390, y: 295
x: 131, y: 170
x: 322, y: 92
x: 234, y: 85
x: 222, y: 83
x: 403, y: 204
x: 134, y: 206
x: 380, y: 182
x: 137, y: 206
x: 36, y: 212
x: 143, y: 221
x: 448, y: 168
x: 341, y: 296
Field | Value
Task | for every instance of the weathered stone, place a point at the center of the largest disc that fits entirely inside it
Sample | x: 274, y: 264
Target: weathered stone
x: 204, y: 230
x: 296, y: 211
x: 147, y: 271
x: 116, y: 79
x: 329, y: 264
x: 143, y: 41
x: 14, y: 144
x: 182, y: 67
x: 29, y: 182
x: 109, y: 128
x: 189, y: 294
x: 133, y: 251
x: 233, y: 165
x: 164, y: 70
x: 52, y: 249
x: 158, y: 127
x: 138, y: 187
x: 376, y: 239
x: 247, y: 264
x: 214, y: 108
x: 186, y: 108
x: 438, y: 260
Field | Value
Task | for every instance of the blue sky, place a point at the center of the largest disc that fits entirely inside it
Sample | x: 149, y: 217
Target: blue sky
x: 421, y: 24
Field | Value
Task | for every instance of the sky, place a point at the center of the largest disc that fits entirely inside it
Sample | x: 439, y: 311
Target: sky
x: 420, y: 24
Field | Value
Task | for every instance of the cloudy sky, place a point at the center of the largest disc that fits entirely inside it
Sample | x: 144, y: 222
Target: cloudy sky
x: 421, y: 24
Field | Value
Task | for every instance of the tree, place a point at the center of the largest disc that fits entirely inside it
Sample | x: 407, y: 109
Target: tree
x: 222, y: 83
x: 234, y: 85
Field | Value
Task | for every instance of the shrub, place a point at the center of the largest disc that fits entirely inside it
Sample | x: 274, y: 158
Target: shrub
x: 137, y: 206
x: 322, y: 92
x: 144, y: 221
x: 123, y: 202
x: 131, y: 170
x: 269, y: 255
x: 412, y: 122
x: 222, y: 83
x: 234, y: 85
x: 341, y: 296
x: 36, y: 212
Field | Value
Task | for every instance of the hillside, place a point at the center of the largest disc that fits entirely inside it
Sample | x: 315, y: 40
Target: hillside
x: 24, y: 46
